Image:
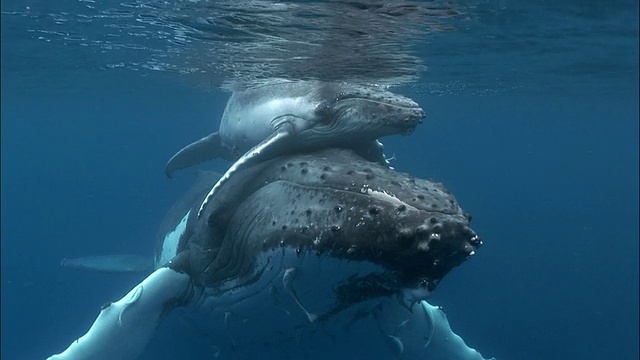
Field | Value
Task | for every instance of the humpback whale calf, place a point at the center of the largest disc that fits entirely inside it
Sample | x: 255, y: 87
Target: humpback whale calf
x: 324, y: 254
x: 269, y: 120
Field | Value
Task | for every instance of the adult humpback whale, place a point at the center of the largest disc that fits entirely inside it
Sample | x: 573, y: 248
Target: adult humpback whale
x: 324, y: 254
x: 286, y: 117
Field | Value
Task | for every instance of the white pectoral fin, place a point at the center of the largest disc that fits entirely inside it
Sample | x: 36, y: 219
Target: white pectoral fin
x: 421, y: 332
x: 444, y: 342
x: 123, y: 328
x: 263, y: 151
x: 207, y: 148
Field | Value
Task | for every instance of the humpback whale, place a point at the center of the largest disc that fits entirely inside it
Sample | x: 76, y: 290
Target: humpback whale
x: 280, y: 118
x: 323, y: 254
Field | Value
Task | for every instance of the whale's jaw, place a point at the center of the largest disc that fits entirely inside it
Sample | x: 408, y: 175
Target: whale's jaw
x: 327, y: 301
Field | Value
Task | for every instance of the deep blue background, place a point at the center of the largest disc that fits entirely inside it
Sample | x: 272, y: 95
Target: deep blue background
x: 551, y: 180
x: 535, y: 131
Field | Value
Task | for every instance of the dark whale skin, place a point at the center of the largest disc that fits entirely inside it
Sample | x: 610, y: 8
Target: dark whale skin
x: 332, y: 203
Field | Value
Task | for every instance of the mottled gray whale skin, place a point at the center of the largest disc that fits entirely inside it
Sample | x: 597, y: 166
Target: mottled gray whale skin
x: 271, y: 120
x: 322, y: 253
x: 334, y: 203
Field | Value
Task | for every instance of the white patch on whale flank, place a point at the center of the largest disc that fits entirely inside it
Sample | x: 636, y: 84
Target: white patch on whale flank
x: 171, y: 241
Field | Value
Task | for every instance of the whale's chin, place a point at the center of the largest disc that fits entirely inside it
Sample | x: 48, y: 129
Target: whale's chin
x: 318, y: 295
x: 335, y: 307
x: 309, y: 288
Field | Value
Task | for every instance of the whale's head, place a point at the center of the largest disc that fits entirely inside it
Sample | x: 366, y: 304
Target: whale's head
x: 391, y: 233
x: 366, y: 111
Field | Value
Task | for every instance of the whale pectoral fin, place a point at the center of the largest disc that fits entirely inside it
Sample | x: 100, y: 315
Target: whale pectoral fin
x: 420, y: 332
x: 123, y: 328
x: 267, y: 149
x: 207, y: 148
x: 444, y: 342
x: 372, y: 151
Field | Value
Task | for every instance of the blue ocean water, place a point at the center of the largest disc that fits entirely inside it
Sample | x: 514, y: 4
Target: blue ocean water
x: 532, y: 122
